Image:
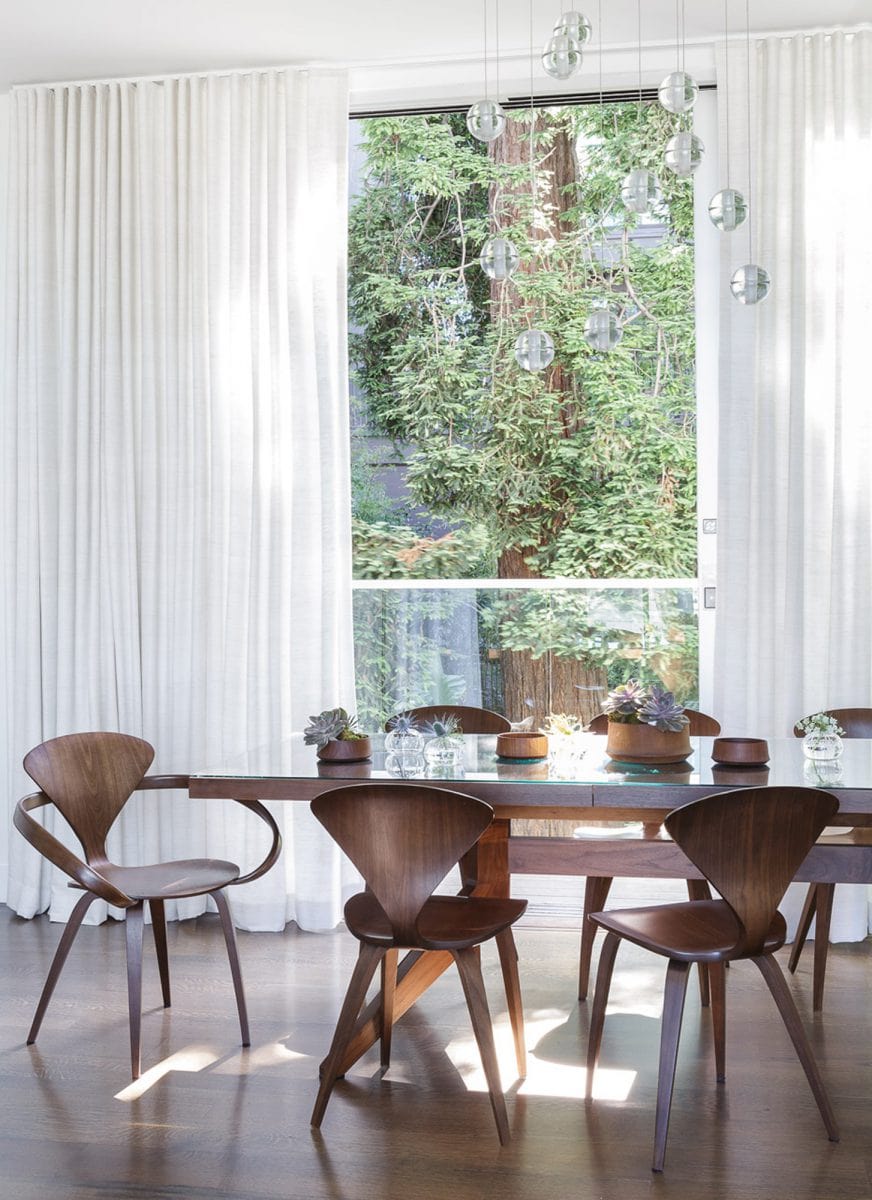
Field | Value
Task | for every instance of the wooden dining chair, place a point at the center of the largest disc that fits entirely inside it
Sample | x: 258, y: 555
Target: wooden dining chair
x: 749, y: 844
x: 470, y: 719
x: 89, y: 777
x: 597, y: 888
x: 856, y: 723
x: 404, y: 839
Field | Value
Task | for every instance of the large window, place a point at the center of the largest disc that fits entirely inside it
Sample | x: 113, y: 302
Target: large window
x: 522, y: 540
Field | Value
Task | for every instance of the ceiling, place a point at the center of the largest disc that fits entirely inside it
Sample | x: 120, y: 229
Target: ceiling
x: 55, y: 40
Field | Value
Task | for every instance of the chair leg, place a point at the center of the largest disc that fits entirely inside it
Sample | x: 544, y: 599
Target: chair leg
x: 805, y: 920
x: 698, y: 889
x: 235, y: 969
x: 60, y: 957
x: 388, y: 995
x: 159, y: 929
x: 824, y: 905
x: 771, y: 972
x: 133, y: 938
x: 469, y: 967
x: 718, y: 979
x: 364, y: 969
x: 600, y: 1000
x: 596, y: 892
x: 509, y: 963
x: 670, y: 1031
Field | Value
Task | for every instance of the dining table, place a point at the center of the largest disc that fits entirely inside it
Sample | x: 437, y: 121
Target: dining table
x: 613, y: 814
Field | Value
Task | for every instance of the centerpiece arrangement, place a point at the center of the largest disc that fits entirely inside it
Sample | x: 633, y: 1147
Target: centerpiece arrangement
x: 443, y: 748
x: 646, y: 725
x: 823, y: 737
x: 337, y: 737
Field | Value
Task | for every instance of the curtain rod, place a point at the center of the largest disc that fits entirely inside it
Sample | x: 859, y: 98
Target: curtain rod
x: 615, y: 96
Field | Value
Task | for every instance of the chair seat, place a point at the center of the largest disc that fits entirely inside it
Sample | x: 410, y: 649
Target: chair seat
x: 688, y: 930
x: 444, y: 923
x: 171, y: 880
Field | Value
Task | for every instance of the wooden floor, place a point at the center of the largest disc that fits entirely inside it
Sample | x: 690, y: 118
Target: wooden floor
x: 209, y: 1120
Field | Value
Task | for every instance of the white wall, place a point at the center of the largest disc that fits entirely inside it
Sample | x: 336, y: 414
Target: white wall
x: 6, y: 830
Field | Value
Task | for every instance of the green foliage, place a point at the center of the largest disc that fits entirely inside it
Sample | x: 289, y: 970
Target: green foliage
x: 384, y: 551
x: 588, y: 470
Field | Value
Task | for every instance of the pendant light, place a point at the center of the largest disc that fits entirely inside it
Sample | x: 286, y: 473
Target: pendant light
x: 678, y: 91
x: 750, y: 283
x: 499, y: 257
x: 534, y: 348
x: 727, y: 208
x: 640, y: 191
x: 603, y: 328
x: 562, y: 55
x: 486, y: 119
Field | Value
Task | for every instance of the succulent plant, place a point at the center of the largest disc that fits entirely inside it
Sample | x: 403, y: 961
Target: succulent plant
x: 624, y: 702
x: 661, y: 710
x: 330, y: 725
x: 633, y: 704
x: 445, y: 725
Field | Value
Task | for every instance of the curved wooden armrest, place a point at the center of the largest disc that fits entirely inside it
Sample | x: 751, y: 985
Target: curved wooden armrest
x: 275, y: 849
x: 59, y: 854
x: 152, y: 782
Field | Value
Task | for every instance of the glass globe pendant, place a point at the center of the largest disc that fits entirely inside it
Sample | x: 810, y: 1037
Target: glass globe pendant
x: 603, y: 329
x: 486, y: 120
x: 561, y: 56
x: 575, y: 25
x: 750, y: 284
x: 534, y: 350
x: 499, y: 258
x: 727, y: 210
x: 640, y: 191
x: 678, y: 92
x: 684, y: 152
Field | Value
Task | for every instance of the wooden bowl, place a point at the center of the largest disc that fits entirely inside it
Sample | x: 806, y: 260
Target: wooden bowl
x: 522, y: 745
x: 740, y: 752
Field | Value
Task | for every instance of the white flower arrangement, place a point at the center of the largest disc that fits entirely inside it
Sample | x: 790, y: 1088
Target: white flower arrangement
x: 820, y: 723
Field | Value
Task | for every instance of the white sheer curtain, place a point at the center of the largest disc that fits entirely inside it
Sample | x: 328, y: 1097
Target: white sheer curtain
x: 794, y: 632
x: 175, y: 486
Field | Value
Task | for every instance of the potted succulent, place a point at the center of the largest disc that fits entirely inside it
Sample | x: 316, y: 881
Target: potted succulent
x: 646, y: 725
x: 823, y: 736
x: 337, y: 737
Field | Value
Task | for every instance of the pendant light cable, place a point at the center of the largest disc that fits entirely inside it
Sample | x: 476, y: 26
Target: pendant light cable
x: 748, y: 74
x: 727, y: 83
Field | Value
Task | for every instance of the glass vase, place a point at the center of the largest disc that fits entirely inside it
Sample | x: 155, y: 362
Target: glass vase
x: 444, y: 753
x: 822, y: 746
x: 404, y: 741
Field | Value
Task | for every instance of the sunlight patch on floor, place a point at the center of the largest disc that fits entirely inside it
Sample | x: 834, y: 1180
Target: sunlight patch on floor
x: 191, y: 1059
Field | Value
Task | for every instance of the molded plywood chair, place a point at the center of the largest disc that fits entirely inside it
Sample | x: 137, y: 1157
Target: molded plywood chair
x: 404, y: 839
x: 857, y: 723
x: 749, y: 845
x: 89, y: 777
x: 596, y: 889
x: 472, y: 720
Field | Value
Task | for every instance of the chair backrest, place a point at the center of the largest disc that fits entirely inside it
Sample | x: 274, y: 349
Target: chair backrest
x: 90, y: 777
x: 404, y: 839
x: 472, y: 720
x: 856, y: 722
x: 701, y: 724
x: 749, y: 844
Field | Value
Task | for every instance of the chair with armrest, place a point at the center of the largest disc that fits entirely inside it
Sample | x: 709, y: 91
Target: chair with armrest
x: 749, y: 844
x: 596, y: 889
x: 856, y: 723
x: 471, y: 720
x: 89, y: 777
x: 404, y: 839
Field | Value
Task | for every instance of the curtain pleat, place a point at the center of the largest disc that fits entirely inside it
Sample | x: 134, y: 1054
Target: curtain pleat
x: 176, y: 451
x: 795, y: 426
